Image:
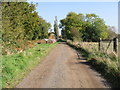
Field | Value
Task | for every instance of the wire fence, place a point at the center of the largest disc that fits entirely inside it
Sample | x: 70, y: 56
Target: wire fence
x: 109, y: 45
x: 106, y: 46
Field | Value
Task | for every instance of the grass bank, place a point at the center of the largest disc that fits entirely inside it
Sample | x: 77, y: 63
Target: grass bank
x: 106, y: 64
x: 16, y: 66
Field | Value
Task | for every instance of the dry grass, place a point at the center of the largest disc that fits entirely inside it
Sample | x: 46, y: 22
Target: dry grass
x: 106, y: 64
x: 95, y: 45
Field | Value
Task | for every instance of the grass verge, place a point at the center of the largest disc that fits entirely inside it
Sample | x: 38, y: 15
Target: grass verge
x: 16, y: 66
x: 107, y: 65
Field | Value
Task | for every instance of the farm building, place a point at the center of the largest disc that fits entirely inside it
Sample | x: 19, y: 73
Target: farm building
x: 38, y: 42
x: 43, y: 41
x: 52, y: 35
x: 51, y: 41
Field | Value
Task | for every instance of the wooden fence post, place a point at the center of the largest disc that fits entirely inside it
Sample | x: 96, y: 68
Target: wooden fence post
x: 115, y: 44
x: 99, y: 45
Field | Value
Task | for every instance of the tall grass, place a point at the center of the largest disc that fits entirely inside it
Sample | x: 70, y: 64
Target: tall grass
x: 106, y: 64
x: 16, y: 66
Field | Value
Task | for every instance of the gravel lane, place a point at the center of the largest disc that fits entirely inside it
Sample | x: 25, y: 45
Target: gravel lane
x: 62, y: 69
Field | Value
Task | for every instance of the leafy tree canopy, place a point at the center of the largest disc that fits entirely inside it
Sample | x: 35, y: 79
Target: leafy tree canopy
x: 20, y: 21
x: 87, y: 27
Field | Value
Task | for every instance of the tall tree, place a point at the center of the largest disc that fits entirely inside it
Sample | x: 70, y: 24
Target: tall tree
x: 71, y: 24
x: 56, y: 27
x: 111, y: 32
x: 94, y: 28
x: 87, y: 28
x: 21, y: 22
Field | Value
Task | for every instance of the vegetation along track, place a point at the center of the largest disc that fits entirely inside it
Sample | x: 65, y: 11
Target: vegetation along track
x: 62, y: 69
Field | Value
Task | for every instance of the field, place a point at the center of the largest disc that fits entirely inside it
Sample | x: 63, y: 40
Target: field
x: 95, y: 45
x: 16, y: 66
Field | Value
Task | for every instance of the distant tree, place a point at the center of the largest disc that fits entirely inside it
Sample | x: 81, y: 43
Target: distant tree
x: 111, y: 32
x: 94, y: 28
x: 87, y: 28
x: 75, y: 34
x: 56, y: 28
x: 71, y: 22
x: 63, y: 33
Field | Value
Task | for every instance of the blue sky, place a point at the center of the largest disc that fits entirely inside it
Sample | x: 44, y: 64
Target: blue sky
x: 105, y: 10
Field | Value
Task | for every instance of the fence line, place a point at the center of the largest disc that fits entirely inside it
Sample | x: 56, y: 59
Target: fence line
x: 114, y: 47
x: 106, y: 46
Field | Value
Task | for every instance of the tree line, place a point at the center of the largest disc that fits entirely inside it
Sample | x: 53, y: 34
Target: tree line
x: 89, y: 27
x: 21, y: 22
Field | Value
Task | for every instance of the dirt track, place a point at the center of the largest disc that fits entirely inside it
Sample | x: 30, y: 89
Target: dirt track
x: 62, y: 69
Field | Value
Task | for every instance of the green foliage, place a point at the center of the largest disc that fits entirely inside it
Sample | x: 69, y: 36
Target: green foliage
x: 16, y: 66
x: 71, y: 22
x: 56, y: 28
x: 112, y: 33
x: 20, y: 21
x: 75, y: 34
x: 89, y: 27
x: 94, y: 28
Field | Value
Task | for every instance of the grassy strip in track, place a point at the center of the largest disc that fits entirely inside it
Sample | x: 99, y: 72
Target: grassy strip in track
x: 15, y: 67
